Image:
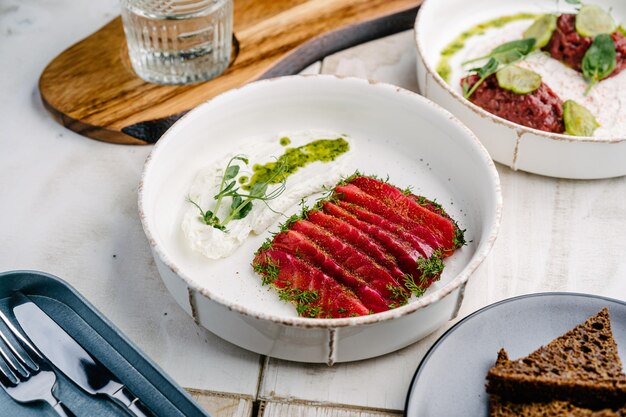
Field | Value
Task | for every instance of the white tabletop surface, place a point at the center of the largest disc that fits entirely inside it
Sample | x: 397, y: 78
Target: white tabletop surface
x: 68, y: 206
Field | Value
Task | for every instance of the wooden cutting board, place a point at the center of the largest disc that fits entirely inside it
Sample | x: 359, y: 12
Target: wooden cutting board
x: 91, y: 88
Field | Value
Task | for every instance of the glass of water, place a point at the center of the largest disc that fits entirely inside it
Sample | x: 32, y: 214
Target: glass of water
x: 178, y: 41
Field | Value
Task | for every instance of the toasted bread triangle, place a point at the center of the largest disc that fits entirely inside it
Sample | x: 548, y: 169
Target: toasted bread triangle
x: 502, y: 408
x: 581, y: 366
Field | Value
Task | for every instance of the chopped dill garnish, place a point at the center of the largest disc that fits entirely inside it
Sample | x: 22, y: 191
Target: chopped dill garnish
x: 431, y: 267
x: 304, y: 210
x: 303, y: 299
x: 283, y: 227
x: 266, y: 245
x: 307, y: 310
x: 410, y: 284
x: 399, y: 294
x: 349, y: 178
x: 268, y: 271
x: 459, y: 237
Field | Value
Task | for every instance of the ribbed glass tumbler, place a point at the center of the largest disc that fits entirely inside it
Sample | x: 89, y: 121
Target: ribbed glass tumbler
x: 178, y: 41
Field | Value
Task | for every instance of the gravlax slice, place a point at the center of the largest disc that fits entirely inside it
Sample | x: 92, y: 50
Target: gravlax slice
x: 410, y: 261
x: 315, y: 294
x: 349, y: 257
x: 377, y: 193
x: 377, y: 243
x: 298, y: 245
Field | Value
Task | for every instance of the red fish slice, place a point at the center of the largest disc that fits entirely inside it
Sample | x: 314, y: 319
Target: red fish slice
x: 300, y: 246
x: 314, y: 293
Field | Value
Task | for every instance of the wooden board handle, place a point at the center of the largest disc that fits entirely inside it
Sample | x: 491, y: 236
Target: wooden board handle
x: 91, y: 88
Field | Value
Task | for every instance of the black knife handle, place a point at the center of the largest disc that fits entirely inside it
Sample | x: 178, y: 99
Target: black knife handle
x: 127, y: 400
x: 62, y: 410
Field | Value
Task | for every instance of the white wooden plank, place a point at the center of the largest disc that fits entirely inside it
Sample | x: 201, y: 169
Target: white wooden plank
x: 223, y: 405
x: 314, y: 68
x: 279, y: 409
x: 391, y: 59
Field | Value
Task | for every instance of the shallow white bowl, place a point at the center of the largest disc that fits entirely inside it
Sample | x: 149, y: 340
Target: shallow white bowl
x: 395, y: 133
x: 439, y: 22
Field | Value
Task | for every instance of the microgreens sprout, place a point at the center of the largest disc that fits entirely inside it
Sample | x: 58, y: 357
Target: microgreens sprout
x: 241, y: 204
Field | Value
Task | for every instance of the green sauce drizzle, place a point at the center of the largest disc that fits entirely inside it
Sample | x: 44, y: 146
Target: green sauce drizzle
x: 444, y: 69
x: 285, y: 141
x: 323, y: 150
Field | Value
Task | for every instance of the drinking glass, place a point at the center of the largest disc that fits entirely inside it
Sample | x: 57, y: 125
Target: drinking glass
x: 178, y: 41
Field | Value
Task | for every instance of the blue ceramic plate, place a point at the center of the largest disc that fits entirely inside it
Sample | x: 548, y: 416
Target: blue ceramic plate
x: 450, y: 380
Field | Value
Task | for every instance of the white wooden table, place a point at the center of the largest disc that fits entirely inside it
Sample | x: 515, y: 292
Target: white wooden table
x: 68, y: 206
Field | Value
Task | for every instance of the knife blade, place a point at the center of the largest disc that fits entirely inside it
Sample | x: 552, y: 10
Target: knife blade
x: 62, y: 351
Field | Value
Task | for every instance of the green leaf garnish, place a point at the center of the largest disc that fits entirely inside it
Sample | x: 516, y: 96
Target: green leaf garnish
x: 241, y: 204
x: 231, y: 172
x: 508, y: 52
x: 485, y: 71
x: 599, y: 60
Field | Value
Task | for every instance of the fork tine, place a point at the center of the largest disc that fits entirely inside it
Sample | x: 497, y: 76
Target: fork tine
x: 23, y: 364
x: 29, y: 349
x: 9, y: 373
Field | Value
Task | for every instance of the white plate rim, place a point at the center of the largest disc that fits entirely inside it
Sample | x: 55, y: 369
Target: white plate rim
x: 318, y: 323
x: 484, y: 113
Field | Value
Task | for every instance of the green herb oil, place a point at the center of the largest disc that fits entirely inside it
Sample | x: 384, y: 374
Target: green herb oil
x: 444, y: 69
x: 285, y: 141
x: 323, y: 150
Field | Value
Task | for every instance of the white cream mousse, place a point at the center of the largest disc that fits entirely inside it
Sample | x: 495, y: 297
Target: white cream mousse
x: 306, y: 180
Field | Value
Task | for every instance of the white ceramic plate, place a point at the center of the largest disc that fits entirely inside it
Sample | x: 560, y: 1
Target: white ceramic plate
x: 456, y: 365
x: 439, y: 22
x: 395, y: 132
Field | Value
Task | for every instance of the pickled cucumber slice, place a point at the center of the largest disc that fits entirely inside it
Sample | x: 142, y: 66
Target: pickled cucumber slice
x: 592, y: 20
x: 518, y: 80
x: 578, y: 120
x: 542, y: 30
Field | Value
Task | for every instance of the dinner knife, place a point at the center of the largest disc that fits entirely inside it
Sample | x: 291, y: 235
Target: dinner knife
x: 60, y: 349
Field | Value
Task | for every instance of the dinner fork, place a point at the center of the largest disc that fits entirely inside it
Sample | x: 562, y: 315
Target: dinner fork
x: 27, y: 377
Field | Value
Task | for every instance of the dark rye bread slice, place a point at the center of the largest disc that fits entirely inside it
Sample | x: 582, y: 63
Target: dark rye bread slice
x: 582, y: 366
x: 501, y: 408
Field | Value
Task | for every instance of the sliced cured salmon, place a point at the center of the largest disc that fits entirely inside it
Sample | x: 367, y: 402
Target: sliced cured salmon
x: 363, y: 250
